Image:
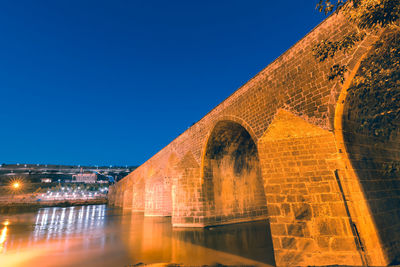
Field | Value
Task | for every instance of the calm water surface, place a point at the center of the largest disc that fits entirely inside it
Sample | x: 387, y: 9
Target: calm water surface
x: 103, y: 236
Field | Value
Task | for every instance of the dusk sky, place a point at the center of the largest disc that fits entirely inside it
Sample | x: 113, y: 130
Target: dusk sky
x: 113, y: 82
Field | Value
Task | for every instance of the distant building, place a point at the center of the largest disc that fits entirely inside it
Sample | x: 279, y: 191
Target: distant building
x: 101, y: 179
x: 87, y: 178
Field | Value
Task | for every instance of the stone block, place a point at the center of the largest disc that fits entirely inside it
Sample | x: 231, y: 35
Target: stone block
x: 273, y: 210
x: 306, y: 245
x: 343, y: 244
x: 295, y: 230
x: 329, y: 227
x: 302, y: 211
x: 338, y: 209
x: 278, y: 229
x: 289, y: 243
x: 324, y: 242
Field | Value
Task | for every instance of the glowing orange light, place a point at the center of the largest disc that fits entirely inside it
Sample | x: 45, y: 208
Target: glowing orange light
x: 3, y: 237
x: 16, y: 185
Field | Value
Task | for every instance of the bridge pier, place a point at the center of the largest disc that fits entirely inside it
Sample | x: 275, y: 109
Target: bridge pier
x: 309, y: 223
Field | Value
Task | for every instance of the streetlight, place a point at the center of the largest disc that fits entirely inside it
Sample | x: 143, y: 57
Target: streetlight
x: 16, y: 185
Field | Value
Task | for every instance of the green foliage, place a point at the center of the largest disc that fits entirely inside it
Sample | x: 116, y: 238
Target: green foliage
x: 391, y: 169
x: 327, y: 49
x: 369, y: 14
x: 328, y: 7
x: 374, y: 94
x: 337, y: 71
x: 365, y: 13
x: 375, y: 91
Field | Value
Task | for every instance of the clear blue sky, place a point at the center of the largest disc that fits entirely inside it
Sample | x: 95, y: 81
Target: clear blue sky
x: 113, y: 82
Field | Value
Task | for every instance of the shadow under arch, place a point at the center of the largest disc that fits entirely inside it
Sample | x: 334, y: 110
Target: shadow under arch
x: 231, y: 174
x: 372, y: 195
x: 231, y: 118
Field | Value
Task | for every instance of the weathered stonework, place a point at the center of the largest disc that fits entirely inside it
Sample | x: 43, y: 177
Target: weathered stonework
x: 306, y: 209
x: 282, y: 147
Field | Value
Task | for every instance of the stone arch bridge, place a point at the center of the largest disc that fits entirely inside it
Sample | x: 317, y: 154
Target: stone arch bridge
x: 283, y: 147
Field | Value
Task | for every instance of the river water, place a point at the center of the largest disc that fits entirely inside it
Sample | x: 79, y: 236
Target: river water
x: 102, y: 236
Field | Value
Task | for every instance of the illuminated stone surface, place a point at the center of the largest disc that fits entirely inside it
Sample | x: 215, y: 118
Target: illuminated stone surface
x: 283, y: 146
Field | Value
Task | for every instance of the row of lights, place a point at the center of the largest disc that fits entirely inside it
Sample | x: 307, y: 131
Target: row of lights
x: 66, y: 192
x: 76, y: 193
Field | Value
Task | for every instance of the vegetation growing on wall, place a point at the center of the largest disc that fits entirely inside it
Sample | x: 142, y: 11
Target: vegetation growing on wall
x: 375, y: 90
x: 377, y: 83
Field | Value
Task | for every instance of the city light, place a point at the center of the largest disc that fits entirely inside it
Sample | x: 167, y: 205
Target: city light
x: 16, y: 185
x: 71, y: 193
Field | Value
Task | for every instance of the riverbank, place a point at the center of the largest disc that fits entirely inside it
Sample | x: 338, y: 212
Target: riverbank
x: 10, y: 207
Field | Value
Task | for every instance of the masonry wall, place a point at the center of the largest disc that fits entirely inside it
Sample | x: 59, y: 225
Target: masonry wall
x: 188, y: 201
x: 307, y: 210
x: 375, y: 160
x: 158, y: 196
x: 232, y: 181
x: 309, y: 222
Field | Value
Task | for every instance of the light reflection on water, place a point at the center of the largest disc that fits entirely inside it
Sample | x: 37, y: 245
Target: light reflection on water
x: 3, y: 237
x: 101, y: 236
x: 58, y: 222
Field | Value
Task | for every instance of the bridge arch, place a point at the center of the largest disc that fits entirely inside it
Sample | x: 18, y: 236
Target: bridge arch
x: 367, y: 183
x: 232, y: 183
x: 231, y: 118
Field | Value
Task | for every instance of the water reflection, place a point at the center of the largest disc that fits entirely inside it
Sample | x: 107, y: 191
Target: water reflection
x: 58, y: 222
x: 250, y: 240
x: 100, y: 236
x: 3, y: 237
